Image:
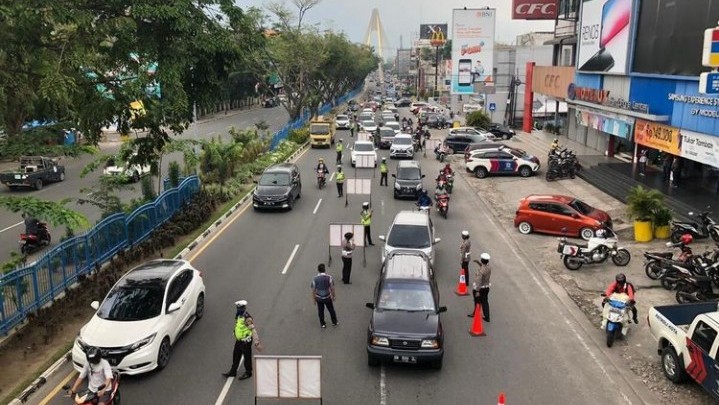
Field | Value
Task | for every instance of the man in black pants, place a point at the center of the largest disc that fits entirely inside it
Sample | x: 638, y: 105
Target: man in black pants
x: 480, y: 286
x: 465, y: 255
x: 323, y: 295
x: 348, y: 246
x: 245, y: 334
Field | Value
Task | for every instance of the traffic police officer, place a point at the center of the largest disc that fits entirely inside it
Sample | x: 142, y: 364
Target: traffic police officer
x: 340, y: 180
x: 383, y: 172
x: 366, y: 221
x: 245, y: 334
x: 339, y: 149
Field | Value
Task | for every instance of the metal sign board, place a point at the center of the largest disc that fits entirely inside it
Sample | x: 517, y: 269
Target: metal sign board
x: 492, y: 106
x: 709, y: 83
x: 338, y: 231
x: 365, y: 162
x: 296, y: 377
x: 710, y: 51
x: 359, y: 186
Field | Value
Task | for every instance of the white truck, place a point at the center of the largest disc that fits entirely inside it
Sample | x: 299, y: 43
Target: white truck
x: 687, y: 342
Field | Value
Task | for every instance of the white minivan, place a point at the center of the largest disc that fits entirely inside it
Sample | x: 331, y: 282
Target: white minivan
x: 410, y: 230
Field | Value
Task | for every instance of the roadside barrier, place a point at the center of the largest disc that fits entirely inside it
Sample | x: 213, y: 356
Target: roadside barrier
x: 500, y: 400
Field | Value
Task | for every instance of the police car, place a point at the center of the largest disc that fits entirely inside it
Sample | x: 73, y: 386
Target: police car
x: 501, y: 160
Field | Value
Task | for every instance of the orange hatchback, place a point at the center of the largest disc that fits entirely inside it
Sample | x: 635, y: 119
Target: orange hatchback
x: 553, y: 213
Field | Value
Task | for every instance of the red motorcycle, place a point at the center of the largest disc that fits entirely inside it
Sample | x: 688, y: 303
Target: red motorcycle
x: 32, y: 242
x: 443, y: 205
x: 87, y: 397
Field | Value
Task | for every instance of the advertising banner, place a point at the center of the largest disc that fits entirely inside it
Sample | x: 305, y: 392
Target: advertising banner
x: 604, y: 36
x: 600, y: 122
x: 472, y: 48
x: 534, y: 9
x: 700, y: 148
x: 658, y: 136
x: 433, y: 31
x: 552, y: 81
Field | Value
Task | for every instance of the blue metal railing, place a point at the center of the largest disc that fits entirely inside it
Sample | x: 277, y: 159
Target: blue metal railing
x: 25, y: 290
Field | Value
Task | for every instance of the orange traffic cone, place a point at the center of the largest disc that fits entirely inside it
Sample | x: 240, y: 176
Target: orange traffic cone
x: 477, y: 327
x: 462, y: 285
x: 500, y: 401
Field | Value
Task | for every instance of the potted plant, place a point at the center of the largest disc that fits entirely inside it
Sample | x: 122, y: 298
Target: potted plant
x: 641, y: 204
x: 662, y: 218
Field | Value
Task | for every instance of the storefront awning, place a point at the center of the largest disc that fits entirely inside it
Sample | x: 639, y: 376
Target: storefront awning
x: 565, y: 40
x: 619, y: 111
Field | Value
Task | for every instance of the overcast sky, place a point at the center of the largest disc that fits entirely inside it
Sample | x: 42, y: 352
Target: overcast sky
x: 403, y: 17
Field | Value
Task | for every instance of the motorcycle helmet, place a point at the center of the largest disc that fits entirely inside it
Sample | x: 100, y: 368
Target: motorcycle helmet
x: 93, y: 355
x: 686, y: 239
x: 621, y: 278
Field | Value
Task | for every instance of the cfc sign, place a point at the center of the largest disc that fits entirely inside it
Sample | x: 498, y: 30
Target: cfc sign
x: 534, y: 9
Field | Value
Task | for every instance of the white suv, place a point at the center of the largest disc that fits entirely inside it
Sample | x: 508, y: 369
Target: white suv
x: 402, y: 146
x: 410, y: 230
x: 363, y: 148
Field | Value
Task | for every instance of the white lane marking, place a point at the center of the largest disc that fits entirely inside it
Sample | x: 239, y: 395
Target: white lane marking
x: 289, y: 261
x: 228, y: 384
x: 10, y: 227
x: 381, y: 210
x: 317, y: 206
x: 382, y: 387
x: 332, y: 177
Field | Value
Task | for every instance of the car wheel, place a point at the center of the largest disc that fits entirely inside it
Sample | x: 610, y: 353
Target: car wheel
x: 200, y: 306
x: 505, y: 137
x: 672, y: 367
x: 525, y: 228
x: 291, y: 203
x: 38, y: 184
x: 586, y: 233
x: 62, y: 176
x: 372, y: 361
x: 163, y: 353
x: 480, y: 172
x: 525, y: 171
x: 299, y: 193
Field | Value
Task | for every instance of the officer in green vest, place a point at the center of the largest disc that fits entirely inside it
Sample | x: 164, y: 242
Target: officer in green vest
x: 383, y: 172
x: 352, y: 128
x: 366, y: 221
x: 339, y: 149
x: 340, y: 180
x: 245, y: 334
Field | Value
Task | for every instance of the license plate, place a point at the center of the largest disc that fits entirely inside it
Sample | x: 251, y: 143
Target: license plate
x: 18, y: 177
x: 405, y: 359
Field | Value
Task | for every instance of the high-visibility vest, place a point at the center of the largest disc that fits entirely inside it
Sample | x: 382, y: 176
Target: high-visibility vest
x: 242, y: 331
x: 383, y: 167
x: 340, y: 177
x: 366, y: 218
x: 339, y: 147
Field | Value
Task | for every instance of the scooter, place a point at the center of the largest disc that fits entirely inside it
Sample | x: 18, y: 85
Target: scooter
x: 443, y: 205
x: 450, y: 183
x: 32, y: 242
x: 656, y: 260
x: 695, y: 289
x: 87, y: 397
x: 597, y: 250
x: 707, y: 228
x: 615, y: 316
x: 321, y: 180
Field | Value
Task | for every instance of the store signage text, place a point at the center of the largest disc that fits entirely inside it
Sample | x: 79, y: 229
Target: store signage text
x: 699, y: 101
x: 535, y: 9
x: 627, y: 105
x: 597, y: 96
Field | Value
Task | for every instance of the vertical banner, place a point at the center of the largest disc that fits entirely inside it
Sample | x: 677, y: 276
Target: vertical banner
x: 472, y: 49
x: 604, y: 36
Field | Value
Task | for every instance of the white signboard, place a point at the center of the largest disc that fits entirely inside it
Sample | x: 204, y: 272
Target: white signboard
x: 700, y: 148
x: 288, y: 377
x: 604, y: 36
x: 364, y: 136
x: 365, y: 162
x: 359, y: 186
x: 338, y: 231
x: 472, y: 49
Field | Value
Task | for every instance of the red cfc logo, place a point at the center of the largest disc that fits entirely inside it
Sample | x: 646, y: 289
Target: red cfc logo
x: 534, y: 9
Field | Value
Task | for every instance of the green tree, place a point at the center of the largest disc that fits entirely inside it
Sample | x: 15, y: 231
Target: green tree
x: 219, y: 160
x: 479, y: 119
x: 55, y: 213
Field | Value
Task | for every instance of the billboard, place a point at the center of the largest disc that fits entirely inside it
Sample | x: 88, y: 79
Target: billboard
x: 604, y: 36
x: 552, y: 81
x: 670, y: 36
x: 472, y: 49
x: 534, y: 9
x: 433, y: 31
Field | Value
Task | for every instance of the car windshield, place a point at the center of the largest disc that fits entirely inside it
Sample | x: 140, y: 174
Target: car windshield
x: 134, y: 301
x: 401, y: 140
x: 319, y: 129
x: 342, y: 118
x: 404, y: 296
x: 387, y: 132
x: 368, y: 123
x: 477, y: 138
x: 275, y: 179
x: 409, y: 236
x: 581, y: 207
x: 393, y: 125
x: 363, y: 147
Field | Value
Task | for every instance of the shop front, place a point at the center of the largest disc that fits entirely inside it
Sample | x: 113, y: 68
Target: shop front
x: 552, y: 83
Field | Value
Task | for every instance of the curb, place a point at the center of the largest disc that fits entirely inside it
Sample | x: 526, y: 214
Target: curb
x: 43, y: 378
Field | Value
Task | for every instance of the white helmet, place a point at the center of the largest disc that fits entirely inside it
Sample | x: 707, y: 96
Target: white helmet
x: 241, y: 303
x: 484, y: 257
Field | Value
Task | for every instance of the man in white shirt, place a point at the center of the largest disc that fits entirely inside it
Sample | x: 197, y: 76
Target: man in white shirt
x: 98, y: 373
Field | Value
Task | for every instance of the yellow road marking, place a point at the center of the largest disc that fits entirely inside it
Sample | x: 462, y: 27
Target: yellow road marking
x: 55, y: 390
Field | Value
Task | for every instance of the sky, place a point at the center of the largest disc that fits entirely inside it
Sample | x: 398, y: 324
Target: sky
x: 403, y: 17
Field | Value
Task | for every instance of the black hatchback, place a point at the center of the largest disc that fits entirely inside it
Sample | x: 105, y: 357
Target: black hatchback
x: 278, y: 188
x: 408, y: 180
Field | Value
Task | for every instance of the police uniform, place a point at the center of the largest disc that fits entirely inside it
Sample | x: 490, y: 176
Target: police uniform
x: 340, y: 180
x: 383, y: 173
x: 244, y: 332
x: 366, y: 221
x: 339, y: 148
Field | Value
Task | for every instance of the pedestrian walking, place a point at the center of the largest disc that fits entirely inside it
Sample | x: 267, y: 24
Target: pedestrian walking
x: 465, y: 255
x: 642, y: 162
x: 338, y: 148
x: 480, y: 286
x: 676, y: 172
x: 340, y: 180
x: 245, y: 334
x: 383, y: 169
x: 667, y: 167
x: 348, y: 247
x: 366, y: 221
x: 323, y: 295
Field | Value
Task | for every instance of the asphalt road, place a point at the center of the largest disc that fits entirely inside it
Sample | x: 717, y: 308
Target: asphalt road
x: 538, y: 348
x: 11, y: 225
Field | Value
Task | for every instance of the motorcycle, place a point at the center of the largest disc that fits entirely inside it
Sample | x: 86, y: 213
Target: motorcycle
x: 87, y: 397
x: 562, y: 164
x: 695, y: 289
x: 597, y: 250
x: 656, y: 260
x: 321, y: 179
x: 440, y: 153
x: 615, y: 316
x: 708, y: 228
x: 32, y: 242
x: 450, y: 183
x: 443, y: 205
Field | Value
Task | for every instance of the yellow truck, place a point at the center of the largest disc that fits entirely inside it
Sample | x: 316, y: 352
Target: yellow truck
x: 322, y: 133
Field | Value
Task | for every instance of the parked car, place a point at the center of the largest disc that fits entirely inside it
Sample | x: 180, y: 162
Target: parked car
x: 482, y: 145
x: 386, y: 137
x: 405, y: 326
x: 143, y: 316
x: 471, y: 131
x: 278, y: 188
x: 414, y: 107
x: 402, y: 147
x: 501, y: 131
x: 502, y: 160
x: 410, y: 230
x: 559, y: 215
x: 34, y: 172
x: 342, y: 121
x: 457, y: 143
x: 131, y: 172
x: 363, y: 148
x: 408, y: 179
x: 403, y: 102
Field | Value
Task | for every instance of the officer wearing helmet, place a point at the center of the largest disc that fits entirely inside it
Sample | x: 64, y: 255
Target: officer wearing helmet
x: 98, y: 373
x: 621, y: 286
x: 465, y: 255
x: 366, y: 221
x: 245, y: 335
x: 480, y: 285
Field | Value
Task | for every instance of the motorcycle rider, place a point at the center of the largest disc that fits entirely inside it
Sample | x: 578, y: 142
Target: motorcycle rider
x: 32, y: 225
x: 98, y: 373
x: 621, y: 286
x: 322, y: 168
x: 440, y: 193
x: 554, y: 146
x: 441, y: 177
x: 447, y: 170
x: 424, y: 199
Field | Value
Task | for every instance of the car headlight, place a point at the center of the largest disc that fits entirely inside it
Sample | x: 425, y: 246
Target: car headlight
x: 380, y: 341
x: 80, y: 343
x: 397, y: 186
x: 430, y: 344
x: 419, y: 186
x: 141, y: 343
x: 24, y: 176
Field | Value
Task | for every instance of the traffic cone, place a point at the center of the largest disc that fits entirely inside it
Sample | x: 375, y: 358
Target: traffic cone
x: 462, y: 285
x: 500, y: 401
x: 477, y: 327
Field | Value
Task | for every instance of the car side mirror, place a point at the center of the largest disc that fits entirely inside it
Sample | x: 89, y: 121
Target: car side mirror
x: 174, y: 307
x: 437, y: 240
x: 381, y: 237
x: 441, y: 309
x: 423, y: 176
x: 95, y: 305
x: 394, y: 175
x: 369, y: 305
